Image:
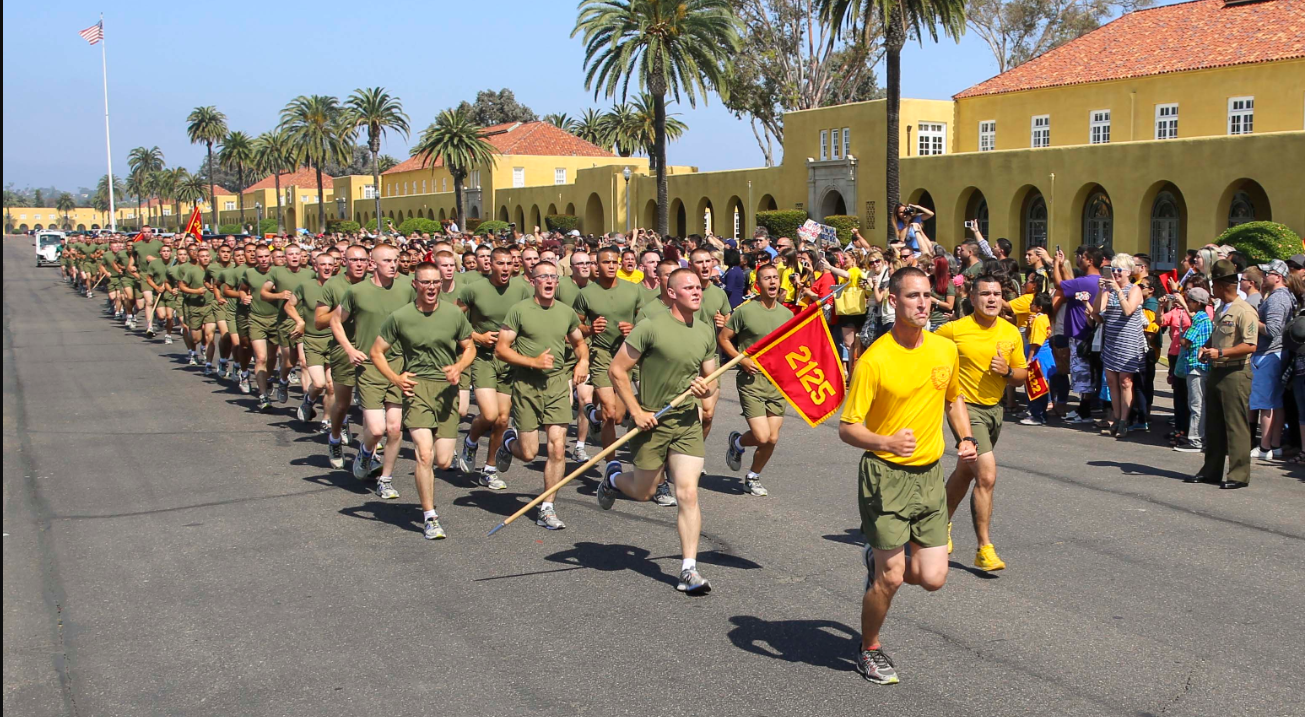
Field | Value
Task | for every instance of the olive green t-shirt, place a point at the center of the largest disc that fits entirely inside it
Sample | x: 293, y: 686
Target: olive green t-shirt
x: 469, y: 277
x: 332, y: 292
x: 370, y: 305
x: 143, y: 249
x: 488, y: 304
x: 255, y: 279
x: 651, y: 309
x: 174, y: 276
x: 427, y: 340
x: 283, y: 279
x: 649, y: 294
x: 213, y: 275
x: 520, y: 281
x: 567, y: 290
x: 157, y: 271
x: 110, y: 257
x: 540, y: 328
x: 752, y: 321
x: 230, y: 277
x: 307, y: 295
x: 671, y: 354
x: 714, y: 301
x: 621, y: 303
x: 193, y: 275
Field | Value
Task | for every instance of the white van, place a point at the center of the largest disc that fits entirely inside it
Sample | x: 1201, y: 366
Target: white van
x: 49, y: 245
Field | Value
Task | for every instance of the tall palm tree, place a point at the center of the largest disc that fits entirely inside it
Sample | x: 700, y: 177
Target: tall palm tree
x: 65, y: 203
x: 143, y: 162
x: 237, y: 155
x: 313, y: 123
x: 274, y: 155
x: 138, y: 186
x: 641, y: 127
x: 164, y: 184
x: 193, y: 190
x: 592, y: 128
x: 668, y: 46
x: 899, y: 19
x: 376, y: 110
x: 561, y: 120
x: 459, y: 141
x: 621, y: 126
x: 100, y: 200
x: 208, y: 127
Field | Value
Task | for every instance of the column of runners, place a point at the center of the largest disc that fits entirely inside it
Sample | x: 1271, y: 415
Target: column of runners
x: 415, y: 339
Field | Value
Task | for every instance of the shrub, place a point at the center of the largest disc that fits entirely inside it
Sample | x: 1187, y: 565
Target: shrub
x: 345, y: 227
x: 230, y: 229
x: 562, y: 222
x: 1261, y: 241
x: 371, y: 224
x: 417, y: 225
x: 844, y: 224
x: 470, y: 225
x: 268, y: 225
x: 781, y: 222
x: 493, y: 226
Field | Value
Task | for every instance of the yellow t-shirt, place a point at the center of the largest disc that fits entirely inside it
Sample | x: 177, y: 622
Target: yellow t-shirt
x: 634, y: 277
x: 977, y: 347
x: 851, y: 301
x: 1039, y: 329
x: 1021, y: 307
x: 895, y: 388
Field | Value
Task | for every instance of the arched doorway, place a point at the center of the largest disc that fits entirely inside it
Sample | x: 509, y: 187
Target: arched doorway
x: 971, y: 205
x: 649, y: 216
x: 443, y: 216
x: 22, y: 228
x: 594, y: 220
x: 706, y: 214
x: 552, y: 210
x: 1166, y: 229
x: 39, y: 227
x: 536, y: 219
x: 679, y: 219
x: 1033, y: 220
x: 472, y: 213
x: 570, y: 208
x: 519, y: 216
x: 503, y: 214
x: 1098, y: 219
x: 81, y: 227
x: 767, y: 204
x: 1246, y: 201
x: 832, y: 204
x: 737, y: 218
x: 924, y: 199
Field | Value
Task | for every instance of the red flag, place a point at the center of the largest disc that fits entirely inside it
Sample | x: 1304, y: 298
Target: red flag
x: 1036, y: 384
x: 799, y: 358
x: 195, y: 225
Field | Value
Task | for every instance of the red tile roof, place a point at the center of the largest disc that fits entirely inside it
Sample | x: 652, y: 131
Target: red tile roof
x: 305, y: 177
x: 523, y: 138
x: 1172, y: 38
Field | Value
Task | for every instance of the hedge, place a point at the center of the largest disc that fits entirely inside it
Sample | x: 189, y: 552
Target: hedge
x: 470, y: 225
x: 564, y: 223
x: 267, y: 226
x: 371, y: 224
x: 844, y: 224
x: 417, y: 225
x: 781, y: 222
x: 230, y: 229
x: 1261, y: 241
x: 493, y: 226
x: 344, y: 227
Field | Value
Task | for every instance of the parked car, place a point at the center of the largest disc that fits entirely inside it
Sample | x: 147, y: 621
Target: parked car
x: 49, y: 247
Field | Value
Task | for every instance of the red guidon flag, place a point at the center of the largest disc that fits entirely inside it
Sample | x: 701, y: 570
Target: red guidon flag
x: 799, y: 358
x: 195, y: 225
x: 1036, y: 384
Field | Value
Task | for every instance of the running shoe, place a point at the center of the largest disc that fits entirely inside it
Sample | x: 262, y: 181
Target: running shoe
x: 665, y: 497
x: 503, y: 456
x: 1031, y: 421
x: 949, y: 537
x: 335, y: 451
x: 294, y: 376
x: 306, y: 411
x: 1188, y: 447
x: 282, y: 392
x: 692, y: 582
x: 167, y: 339
x: 344, y: 430
x: 877, y: 667
x: 595, y: 418
x: 244, y: 383
x: 362, y: 465
x: 733, y: 456
x: 467, y: 457
x: 264, y: 405
x: 606, y: 493
x: 753, y: 486
x: 385, y: 491
x: 149, y: 332
x: 548, y: 518
x: 193, y: 361
x: 985, y: 558
x: 491, y: 481
x: 433, y: 529
x: 580, y: 454
x: 208, y: 370
x: 325, y: 425
x: 1078, y: 420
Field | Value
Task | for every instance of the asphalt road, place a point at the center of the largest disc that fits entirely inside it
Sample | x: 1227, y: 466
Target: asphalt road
x: 168, y: 551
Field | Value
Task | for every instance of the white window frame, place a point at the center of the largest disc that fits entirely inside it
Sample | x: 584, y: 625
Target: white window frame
x: 824, y: 145
x: 423, y: 186
x: 475, y: 178
x: 1040, y: 131
x: 1099, y: 127
x: 559, y: 175
x: 835, y: 147
x: 987, y: 135
x: 847, y: 142
x: 518, y: 176
x: 228, y: 206
x: 1166, y: 121
x: 931, y: 139
x: 369, y: 191
x: 167, y: 211
x: 405, y: 188
x: 1241, y: 115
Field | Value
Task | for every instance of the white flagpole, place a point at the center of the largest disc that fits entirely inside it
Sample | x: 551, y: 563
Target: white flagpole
x: 104, y: 64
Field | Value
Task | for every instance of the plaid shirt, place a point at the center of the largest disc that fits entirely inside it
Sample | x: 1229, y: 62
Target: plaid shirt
x: 1198, y: 334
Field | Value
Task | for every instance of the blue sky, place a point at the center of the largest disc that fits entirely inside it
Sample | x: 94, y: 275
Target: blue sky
x: 166, y: 58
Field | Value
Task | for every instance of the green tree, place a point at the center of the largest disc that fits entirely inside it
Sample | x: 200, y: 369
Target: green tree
x: 100, y: 202
x: 191, y: 189
x: 668, y: 46
x: 592, y: 128
x: 1019, y: 30
x: 643, y: 128
x: 65, y: 203
x: 318, y: 136
x: 143, y: 163
x: 561, y: 120
x: 386, y: 163
x: 137, y: 187
x: 274, y: 155
x: 491, y: 108
x: 37, y: 198
x: 459, y: 141
x: 375, y: 110
x: 207, y: 126
x: 164, y: 184
x: 237, y: 155
x: 899, y: 20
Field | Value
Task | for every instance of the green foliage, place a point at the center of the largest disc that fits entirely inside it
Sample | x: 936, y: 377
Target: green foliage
x: 781, y: 222
x: 471, y: 224
x: 493, y: 226
x: 230, y: 229
x: 493, y: 108
x: 562, y: 222
x: 371, y: 224
x: 345, y: 227
x: 844, y: 224
x: 267, y: 226
x: 1261, y: 241
x: 417, y: 225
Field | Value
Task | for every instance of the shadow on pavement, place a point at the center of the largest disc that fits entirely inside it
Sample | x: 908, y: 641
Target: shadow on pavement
x: 496, y: 502
x: 822, y: 643
x: 599, y: 556
x: 1139, y: 469
x: 850, y: 536
x: 403, y: 515
x: 981, y: 574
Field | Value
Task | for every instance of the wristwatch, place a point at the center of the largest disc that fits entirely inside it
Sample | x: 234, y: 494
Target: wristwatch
x: 971, y: 439
x: 1010, y: 371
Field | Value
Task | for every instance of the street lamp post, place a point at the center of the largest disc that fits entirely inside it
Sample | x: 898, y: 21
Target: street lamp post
x: 258, y: 213
x: 626, y: 173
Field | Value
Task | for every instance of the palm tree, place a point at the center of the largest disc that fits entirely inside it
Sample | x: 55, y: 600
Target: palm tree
x: 138, y: 187
x: 144, y: 161
x: 668, y: 46
x: 100, y: 200
x: 459, y: 141
x: 191, y: 189
x: 274, y: 155
x: 386, y: 163
x: 237, y: 155
x: 561, y: 120
x: 633, y: 127
x: 65, y: 203
x: 621, y: 127
x: 164, y: 185
x: 592, y: 128
x: 374, y: 109
x: 207, y: 126
x: 898, y: 18
x: 313, y: 123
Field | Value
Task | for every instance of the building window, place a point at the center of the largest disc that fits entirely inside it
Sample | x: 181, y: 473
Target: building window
x: 228, y: 206
x: 987, y: 135
x: 475, y: 178
x: 444, y: 184
x: 423, y: 186
x: 981, y: 216
x: 1164, y: 231
x: 932, y: 138
x: 824, y: 144
x: 1041, y: 131
x: 1166, y: 121
x: 1100, y: 127
x: 1241, y: 115
x: 1035, y: 223
x: 405, y: 188
x: 836, y: 150
x: 167, y: 211
x: 1098, y: 220
x: 1240, y: 211
x: 518, y: 176
x: 559, y: 175
x: 847, y: 141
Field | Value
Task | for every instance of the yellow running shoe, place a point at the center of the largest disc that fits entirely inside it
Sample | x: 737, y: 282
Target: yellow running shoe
x: 949, y: 537
x: 986, y: 559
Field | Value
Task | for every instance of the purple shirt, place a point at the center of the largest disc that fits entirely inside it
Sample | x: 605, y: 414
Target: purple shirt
x: 1076, y: 324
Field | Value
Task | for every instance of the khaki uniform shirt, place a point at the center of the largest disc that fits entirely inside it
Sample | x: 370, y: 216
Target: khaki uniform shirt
x: 1236, y: 324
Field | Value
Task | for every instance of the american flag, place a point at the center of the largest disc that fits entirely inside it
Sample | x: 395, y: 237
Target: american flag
x: 94, y: 33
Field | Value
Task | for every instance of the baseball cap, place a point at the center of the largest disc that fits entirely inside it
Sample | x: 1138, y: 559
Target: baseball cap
x: 731, y: 243
x: 1198, y: 295
x: 1277, y: 266
x: 1298, y: 260
x: 1223, y: 270
x: 575, y: 233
